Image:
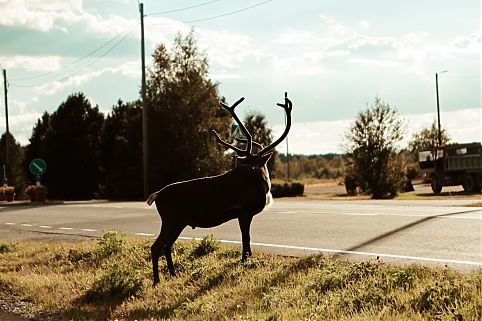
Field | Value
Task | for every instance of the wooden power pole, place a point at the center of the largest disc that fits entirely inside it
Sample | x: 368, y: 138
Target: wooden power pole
x: 145, y: 111
x: 7, y: 136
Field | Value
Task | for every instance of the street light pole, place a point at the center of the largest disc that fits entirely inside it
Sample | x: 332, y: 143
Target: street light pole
x: 438, y: 109
x: 287, y: 156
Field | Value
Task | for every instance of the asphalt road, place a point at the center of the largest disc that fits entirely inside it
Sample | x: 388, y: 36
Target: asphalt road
x: 429, y: 232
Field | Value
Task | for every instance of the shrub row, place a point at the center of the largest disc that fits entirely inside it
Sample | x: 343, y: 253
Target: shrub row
x: 287, y: 189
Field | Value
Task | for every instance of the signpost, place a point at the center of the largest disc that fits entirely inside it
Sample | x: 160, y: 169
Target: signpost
x: 37, y: 167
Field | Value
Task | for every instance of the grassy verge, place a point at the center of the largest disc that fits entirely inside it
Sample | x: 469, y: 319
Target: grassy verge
x: 110, y: 279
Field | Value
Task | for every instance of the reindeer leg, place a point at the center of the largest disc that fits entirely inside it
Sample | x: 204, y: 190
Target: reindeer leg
x: 156, y: 250
x: 244, y: 225
x: 170, y: 265
x: 171, y: 237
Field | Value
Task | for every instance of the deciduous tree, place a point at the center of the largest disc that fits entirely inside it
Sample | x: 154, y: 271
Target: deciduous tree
x: 14, y: 171
x: 257, y: 125
x: 121, y: 152
x: 372, y: 143
x: 68, y: 141
x: 427, y: 139
x: 183, y: 102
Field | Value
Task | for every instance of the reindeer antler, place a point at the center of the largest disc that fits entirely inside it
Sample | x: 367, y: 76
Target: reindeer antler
x: 249, y: 139
x: 287, y: 106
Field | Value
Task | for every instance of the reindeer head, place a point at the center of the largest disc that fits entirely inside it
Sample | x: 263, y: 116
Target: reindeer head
x: 245, y: 156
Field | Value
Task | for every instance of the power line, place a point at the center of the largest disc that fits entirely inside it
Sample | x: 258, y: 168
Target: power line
x: 88, y: 65
x: 181, y: 9
x: 128, y: 29
x: 101, y: 56
x: 218, y: 16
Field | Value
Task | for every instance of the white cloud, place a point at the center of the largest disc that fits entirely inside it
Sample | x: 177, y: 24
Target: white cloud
x: 293, y: 37
x: 112, y: 25
x: 37, y: 14
x: 224, y: 75
x: 21, y: 125
x: 53, y: 5
x: 467, y: 43
x: 228, y: 50
x: 162, y: 30
x: 413, y: 52
x: 364, y: 24
x: 129, y: 69
x: 47, y: 15
x: 32, y: 63
x: 338, y: 53
x: 305, y: 64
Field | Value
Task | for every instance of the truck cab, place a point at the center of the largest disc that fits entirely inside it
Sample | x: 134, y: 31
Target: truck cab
x: 454, y: 164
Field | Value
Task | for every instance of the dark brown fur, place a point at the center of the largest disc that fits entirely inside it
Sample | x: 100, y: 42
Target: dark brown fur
x: 211, y: 201
x: 207, y: 202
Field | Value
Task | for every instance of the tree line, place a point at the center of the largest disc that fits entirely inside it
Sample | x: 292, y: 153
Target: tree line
x: 92, y: 155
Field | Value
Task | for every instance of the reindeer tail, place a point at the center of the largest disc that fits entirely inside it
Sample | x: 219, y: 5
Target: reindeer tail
x: 151, y: 198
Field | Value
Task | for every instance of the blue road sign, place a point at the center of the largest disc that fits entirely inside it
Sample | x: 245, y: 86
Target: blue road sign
x: 37, y: 166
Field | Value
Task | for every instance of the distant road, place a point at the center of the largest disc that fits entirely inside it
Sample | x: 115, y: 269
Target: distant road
x: 429, y: 232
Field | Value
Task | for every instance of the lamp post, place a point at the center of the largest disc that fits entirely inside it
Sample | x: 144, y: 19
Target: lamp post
x: 438, y: 108
x: 287, y: 156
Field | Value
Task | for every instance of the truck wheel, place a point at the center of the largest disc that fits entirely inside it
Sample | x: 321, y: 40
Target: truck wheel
x: 435, y: 183
x: 469, y: 184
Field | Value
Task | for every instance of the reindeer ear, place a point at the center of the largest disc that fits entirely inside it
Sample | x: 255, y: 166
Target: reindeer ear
x: 265, y: 158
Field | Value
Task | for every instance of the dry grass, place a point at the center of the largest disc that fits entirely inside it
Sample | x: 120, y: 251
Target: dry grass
x: 475, y: 204
x: 111, y: 280
x: 323, y: 190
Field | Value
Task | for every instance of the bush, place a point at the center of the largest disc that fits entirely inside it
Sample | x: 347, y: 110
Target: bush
x: 371, y: 143
x: 287, y: 189
x: 350, y: 184
x: 76, y: 256
x: 437, y: 299
x: 110, y: 243
x: 118, y: 282
x: 5, y: 248
x: 207, y: 245
x: 36, y: 192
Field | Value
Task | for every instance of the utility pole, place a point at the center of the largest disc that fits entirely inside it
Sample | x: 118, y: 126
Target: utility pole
x: 438, y: 109
x: 7, y: 143
x: 145, y: 110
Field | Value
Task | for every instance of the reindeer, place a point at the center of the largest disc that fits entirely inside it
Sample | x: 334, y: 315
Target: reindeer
x: 211, y: 201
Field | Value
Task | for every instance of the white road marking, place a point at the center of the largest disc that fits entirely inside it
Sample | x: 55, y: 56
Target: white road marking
x: 66, y: 228
x: 9, y: 223
x: 144, y: 234
x: 285, y: 212
x: 315, y: 249
x: 45, y: 226
x: 442, y: 216
x: 88, y: 230
x: 27, y: 225
x: 99, y: 206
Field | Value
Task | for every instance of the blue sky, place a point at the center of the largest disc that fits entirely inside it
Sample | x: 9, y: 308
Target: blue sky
x: 332, y: 56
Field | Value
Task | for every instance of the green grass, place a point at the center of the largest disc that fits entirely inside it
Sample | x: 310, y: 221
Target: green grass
x: 110, y: 279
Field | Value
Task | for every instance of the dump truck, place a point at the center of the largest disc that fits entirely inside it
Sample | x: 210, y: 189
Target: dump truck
x: 454, y: 164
